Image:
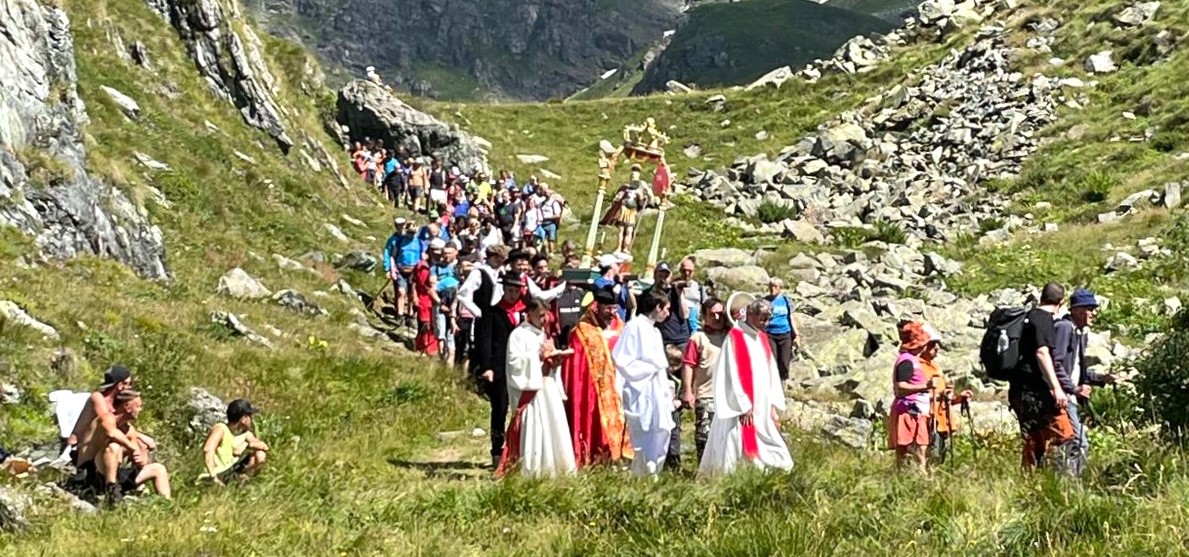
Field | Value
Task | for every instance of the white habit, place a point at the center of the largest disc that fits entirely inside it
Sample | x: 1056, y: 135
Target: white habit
x: 640, y: 361
x: 545, y: 445
x: 724, y: 447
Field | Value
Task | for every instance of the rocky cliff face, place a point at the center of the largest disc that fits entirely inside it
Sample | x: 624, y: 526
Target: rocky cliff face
x: 45, y: 190
x: 228, y: 57
x: 369, y: 110
x: 531, y: 49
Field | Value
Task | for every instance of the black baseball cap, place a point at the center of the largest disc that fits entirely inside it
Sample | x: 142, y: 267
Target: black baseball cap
x: 238, y: 409
x: 115, y: 374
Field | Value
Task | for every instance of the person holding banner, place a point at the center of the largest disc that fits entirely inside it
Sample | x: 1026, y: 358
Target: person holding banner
x: 748, y: 398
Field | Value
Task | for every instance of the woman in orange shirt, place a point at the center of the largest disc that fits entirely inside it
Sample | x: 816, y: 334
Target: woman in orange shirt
x: 942, y: 400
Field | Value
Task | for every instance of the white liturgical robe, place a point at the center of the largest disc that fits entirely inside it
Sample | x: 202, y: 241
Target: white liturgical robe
x: 545, y: 448
x: 641, y: 367
x: 725, y: 447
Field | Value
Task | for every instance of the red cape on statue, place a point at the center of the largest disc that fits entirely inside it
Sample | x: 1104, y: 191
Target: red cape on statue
x: 592, y: 403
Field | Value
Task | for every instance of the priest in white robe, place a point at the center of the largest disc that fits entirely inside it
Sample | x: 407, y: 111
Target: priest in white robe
x: 748, y: 400
x: 538, y: 439
x: 648, y: 399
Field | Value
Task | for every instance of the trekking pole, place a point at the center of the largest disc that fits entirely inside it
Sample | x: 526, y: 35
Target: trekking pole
x: 371, y: 306
x: 965, y: 411
x: 947, y: 444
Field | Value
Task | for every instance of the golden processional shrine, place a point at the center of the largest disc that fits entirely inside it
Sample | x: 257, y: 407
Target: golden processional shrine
x: 642, y: 144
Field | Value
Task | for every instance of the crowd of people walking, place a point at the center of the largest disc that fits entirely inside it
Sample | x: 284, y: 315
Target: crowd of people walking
x: 599, y: 367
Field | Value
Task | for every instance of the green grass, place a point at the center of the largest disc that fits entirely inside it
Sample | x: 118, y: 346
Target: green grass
x: 359, y: 467
x: 737, y: 42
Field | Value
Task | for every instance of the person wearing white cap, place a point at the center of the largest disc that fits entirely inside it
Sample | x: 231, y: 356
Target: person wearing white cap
x: 402, y: 252
x: 609, y: 277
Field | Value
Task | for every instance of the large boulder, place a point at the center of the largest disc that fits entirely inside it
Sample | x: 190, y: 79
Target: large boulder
x: 206, y: 410
x: 745, y: 278
x: 369, y: 110
x: 774, y: 78
x: 237, y: 283
x: 723, y: 257
x: 10, y: 312
x: 67, y: 211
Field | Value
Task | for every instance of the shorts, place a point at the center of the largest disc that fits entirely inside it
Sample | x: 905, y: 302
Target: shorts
x: 402, y: 278
x: 437, y: 196
x: 416, y: 192
x: 549, y: 230
x: 93, y: 479
x: 239, y: 467
x: 907, y: 429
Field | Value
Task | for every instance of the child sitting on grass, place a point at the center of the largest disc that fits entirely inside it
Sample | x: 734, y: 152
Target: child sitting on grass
x: 232, y: 449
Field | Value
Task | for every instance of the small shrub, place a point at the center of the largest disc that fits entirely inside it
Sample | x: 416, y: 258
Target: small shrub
x: 769, y: 212
x: 1097, y: 186
x: 849, y: 237
x: 989, y: 224
x: 44, y: 169
x: 1163, y: 378
x: 887, y: 232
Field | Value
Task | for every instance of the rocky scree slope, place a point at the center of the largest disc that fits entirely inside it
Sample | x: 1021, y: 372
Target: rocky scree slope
x: 514, y: 49
x: 882, y: 189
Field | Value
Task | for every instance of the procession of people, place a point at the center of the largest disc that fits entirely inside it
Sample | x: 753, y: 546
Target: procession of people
x: 588, y: 367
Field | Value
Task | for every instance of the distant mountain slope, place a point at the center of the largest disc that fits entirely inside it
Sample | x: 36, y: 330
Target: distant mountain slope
x: 732, y: 43
x: 891, y: 10
x: 475, y: 49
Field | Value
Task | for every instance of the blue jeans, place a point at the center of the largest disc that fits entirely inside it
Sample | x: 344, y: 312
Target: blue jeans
x: 1078, y: 449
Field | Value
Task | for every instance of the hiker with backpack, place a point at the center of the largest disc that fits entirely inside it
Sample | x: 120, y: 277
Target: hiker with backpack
x: 1035, y: 394
x: 908, y: 422
x: 1069, y: 359
x: 941, y: 416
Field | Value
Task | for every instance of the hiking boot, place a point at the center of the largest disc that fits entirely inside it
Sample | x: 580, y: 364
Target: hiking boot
x: 115, y: 494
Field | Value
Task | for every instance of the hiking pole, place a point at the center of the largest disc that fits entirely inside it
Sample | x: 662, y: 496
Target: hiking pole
x: 371, y: 306
x: 947, y: 443
x: 965, y: 411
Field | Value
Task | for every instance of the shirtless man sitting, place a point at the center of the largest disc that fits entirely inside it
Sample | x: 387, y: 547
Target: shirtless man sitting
x: 116, y: 380
x: 114, y: 456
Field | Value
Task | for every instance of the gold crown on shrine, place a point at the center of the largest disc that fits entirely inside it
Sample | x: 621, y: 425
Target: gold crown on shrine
x: 645, y: 137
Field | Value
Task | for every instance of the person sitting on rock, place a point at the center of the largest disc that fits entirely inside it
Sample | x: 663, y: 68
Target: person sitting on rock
x: 116, y: 380
x: 232, y: 449
x: 113, y: 456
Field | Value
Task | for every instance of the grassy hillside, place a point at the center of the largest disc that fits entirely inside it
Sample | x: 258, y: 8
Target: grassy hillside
x: 373, y: 452
x: 734, y: 43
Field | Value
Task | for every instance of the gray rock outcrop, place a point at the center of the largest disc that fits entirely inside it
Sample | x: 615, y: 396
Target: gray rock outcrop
x: 239, y: 284
x: 206, y: 410
x: 369, y: 110
x: 45, y: 189
x: 226, y: 52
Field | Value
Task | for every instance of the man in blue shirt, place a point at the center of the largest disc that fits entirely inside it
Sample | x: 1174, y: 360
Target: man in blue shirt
x: 782, y: 327
x: 609, y: 278
x: 402, y: 252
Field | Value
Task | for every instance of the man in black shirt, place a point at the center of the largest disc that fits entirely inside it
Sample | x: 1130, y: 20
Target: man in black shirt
x: 1036, y: 395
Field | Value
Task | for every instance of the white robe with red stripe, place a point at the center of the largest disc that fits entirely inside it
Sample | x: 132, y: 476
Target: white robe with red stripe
x: 725, y: 445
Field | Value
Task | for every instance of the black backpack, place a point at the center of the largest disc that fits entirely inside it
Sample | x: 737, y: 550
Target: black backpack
x: 1000, y: 349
